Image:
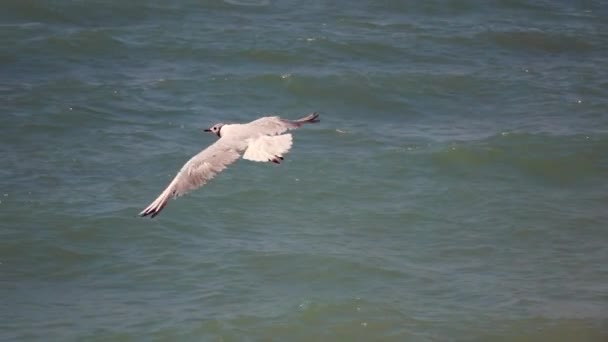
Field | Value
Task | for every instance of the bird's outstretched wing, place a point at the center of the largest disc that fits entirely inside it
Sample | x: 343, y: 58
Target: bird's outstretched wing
x: 273, y: 125
x: 195, y: 173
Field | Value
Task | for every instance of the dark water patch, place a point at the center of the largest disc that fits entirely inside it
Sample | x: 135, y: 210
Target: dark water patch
x: 373, y: 51
x: 543, y: 328
x: 74, y: 12
x: 538, y: 41
x: 33, y: 11
x: 558, y: 160
x: 524, y: 5
x: 285, y: 56
x: 78, y: 43
x: 347, y: 90
x: 441, y: 84
x: 428, y: 8
x: 248, y: 3
x: 351, y: 89
x: 273, y: 264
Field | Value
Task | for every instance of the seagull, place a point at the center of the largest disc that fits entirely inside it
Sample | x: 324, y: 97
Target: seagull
x: 261, y: 140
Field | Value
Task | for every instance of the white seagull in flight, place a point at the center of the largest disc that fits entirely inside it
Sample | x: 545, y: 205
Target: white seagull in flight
x: 261, y: 140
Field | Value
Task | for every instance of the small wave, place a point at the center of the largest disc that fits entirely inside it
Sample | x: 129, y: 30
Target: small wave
x: 90, y: 42
x: 248, y: 3
x: 385, y: 25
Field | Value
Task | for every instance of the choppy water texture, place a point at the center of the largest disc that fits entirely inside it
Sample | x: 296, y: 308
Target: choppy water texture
x: 455, y: 190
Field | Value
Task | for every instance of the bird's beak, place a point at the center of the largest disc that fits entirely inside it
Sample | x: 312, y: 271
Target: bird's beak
x: 206, y: 130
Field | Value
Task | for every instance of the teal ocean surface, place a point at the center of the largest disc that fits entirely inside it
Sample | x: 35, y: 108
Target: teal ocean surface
x: 455, y: 190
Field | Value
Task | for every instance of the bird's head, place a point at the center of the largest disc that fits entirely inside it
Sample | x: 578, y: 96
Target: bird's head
x: 215, y: 129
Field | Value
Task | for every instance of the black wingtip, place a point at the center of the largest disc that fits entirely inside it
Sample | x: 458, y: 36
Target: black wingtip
x: 149, y: 212
x: 154, y: 210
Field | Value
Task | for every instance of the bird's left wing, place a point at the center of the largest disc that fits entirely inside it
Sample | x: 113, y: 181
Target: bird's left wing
x: 195, y: 173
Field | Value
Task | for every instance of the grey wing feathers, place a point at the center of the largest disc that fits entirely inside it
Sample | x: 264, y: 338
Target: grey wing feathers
x: 195, y: 173
x: 273, y: 125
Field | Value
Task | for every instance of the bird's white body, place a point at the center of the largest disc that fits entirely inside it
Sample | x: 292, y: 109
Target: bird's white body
x: 258, y: 143
x: 261, y: 140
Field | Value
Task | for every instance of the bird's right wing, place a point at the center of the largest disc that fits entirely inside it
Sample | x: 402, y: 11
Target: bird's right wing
x: 195, y: 173
x: 274, y: 125
x: 268, y: 148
